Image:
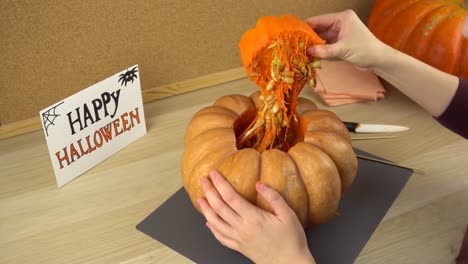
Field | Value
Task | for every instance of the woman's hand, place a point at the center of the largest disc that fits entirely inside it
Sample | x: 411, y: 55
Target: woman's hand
x: 348, y: 39
x: 259, y: 235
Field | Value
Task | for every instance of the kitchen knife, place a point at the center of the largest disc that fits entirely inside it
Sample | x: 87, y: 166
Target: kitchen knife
x: 373, y: 128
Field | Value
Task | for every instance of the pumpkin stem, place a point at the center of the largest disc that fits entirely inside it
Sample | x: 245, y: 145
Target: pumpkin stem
x: 281, y: 71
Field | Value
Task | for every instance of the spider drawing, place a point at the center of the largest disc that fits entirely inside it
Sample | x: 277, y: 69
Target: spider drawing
x: 128, y: 76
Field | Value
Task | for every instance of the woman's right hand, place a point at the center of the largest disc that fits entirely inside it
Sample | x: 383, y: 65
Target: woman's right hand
x: 347, y: 39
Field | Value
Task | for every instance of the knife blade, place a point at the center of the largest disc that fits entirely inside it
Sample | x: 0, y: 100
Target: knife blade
x: 373, y: 128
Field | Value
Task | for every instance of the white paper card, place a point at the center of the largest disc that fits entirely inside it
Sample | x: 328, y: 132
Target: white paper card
x: 93, y: 124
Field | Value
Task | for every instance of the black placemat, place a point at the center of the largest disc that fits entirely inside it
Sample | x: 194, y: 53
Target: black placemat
x: 179, y: 226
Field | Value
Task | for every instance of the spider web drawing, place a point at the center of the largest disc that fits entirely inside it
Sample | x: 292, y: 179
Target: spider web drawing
x: 49, y: 116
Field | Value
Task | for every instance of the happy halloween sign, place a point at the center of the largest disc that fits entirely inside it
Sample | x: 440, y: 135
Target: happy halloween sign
x: 90, y: 126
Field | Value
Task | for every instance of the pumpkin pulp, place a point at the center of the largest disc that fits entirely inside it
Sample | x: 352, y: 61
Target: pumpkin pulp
x: 280, y: 69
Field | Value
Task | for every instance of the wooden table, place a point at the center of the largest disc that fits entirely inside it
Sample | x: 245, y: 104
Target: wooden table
x: 93, y: 218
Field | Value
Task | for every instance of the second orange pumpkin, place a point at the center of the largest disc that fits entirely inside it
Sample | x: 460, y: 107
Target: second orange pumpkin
x: 429, y: 30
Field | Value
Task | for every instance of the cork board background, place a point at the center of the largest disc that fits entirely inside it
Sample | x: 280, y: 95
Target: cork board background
x: 51, y: 49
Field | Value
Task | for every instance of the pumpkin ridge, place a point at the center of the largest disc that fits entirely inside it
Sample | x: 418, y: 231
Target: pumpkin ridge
x: 237, y: 103
x: 379, y: 11
x: 399, y: 9
x: 281, y: 173
x: 209, y: 162
x: 295, y: 181
x: 199, y: 147
x: 242, y: 170
x: 409, y: 29
x: 458, y: 51
x: 321, y: 179
x: 329, y: 122
x: 204, y: 120
x: 406, y: 7
x: 428, y: 58
x: 443, y: 19
x: 339, y: 150
x: 414, y: 43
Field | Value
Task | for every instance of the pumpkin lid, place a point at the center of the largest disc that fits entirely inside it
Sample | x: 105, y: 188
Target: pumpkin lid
x: 269, y: 28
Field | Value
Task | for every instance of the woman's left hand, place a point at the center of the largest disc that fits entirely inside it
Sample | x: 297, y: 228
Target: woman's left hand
x: 259, y: 235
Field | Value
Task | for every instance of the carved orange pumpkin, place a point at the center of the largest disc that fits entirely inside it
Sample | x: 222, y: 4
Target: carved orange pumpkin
x: 427, y: 30
x: 273, y: 136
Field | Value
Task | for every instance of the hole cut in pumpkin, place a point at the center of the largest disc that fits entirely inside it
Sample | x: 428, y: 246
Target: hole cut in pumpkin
x: 274, y: 54
x: 245, y: 120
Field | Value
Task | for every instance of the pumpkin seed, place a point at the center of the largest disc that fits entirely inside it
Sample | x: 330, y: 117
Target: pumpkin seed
x: 261, y: 121
x: 270, y: 85
x: 316, y: 64
x: 273, y: 73
x: 288, y: 80
x: 301, y: 44
x: 261, y: 97
x: 253, y: 74
x: 261, y: 114
x: 280, y: 117
x: 286, y: 74
x: 311, y: 82
x: 284, y: 123
x: 282, y: 65
x: 295, y: 61
x: 309, y: 70
x: 275, y: 64
x: 277, y: 122
x: 303, y: 70
x: 272, y: 45
x: 270, y: 97
x: 258, y: 124
x: 275, y: 108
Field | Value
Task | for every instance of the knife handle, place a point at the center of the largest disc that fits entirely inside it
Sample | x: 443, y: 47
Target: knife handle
x: 351, y: 126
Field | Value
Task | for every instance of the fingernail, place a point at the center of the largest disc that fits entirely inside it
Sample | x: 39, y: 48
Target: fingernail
x: 260, y: 186
x: 200, y: 202
x: 311, y: 50
x: 213, y: 174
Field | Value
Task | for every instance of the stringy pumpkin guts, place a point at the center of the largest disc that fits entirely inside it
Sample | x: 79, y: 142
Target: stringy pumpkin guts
x: 274, y: 55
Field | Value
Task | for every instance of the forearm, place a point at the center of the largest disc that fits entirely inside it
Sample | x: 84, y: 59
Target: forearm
x: 305, y: 258
x: 429, y: 87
